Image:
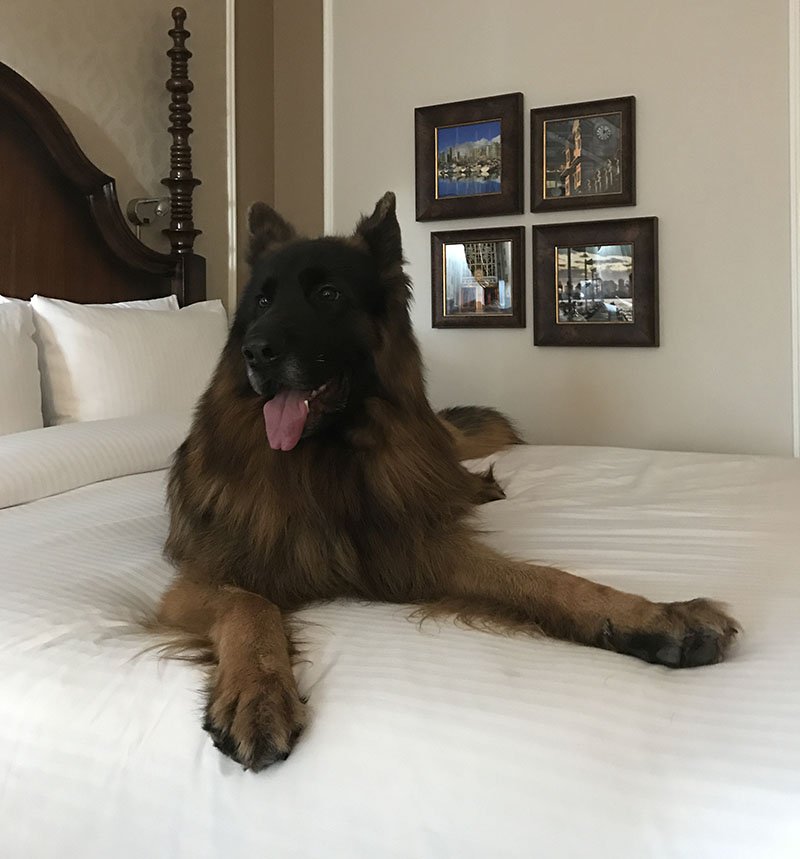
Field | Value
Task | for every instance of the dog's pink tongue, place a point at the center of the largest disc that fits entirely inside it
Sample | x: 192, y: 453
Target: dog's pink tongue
x: 285, y: 416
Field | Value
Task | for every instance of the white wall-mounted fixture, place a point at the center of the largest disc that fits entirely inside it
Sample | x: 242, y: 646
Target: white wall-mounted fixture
x: 142, y: 211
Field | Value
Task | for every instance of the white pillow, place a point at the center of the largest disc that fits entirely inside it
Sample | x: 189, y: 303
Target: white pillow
x: 170, y: 302
x: 20, y: 387
x: 103, y: 361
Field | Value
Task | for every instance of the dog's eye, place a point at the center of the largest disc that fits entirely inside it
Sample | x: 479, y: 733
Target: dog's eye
x: 328, y: 293
x: 264, y: 301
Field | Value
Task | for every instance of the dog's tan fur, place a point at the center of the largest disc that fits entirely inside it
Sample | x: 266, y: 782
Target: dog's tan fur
x: 256, y: 534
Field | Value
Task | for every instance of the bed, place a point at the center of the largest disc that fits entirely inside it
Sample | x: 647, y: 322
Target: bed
x: 432, y: 742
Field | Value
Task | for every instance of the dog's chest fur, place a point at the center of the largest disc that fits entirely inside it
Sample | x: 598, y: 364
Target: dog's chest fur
x: 324, y: 520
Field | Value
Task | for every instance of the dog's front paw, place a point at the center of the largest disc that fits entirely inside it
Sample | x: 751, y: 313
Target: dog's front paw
x: 255, y: 719
x: 681, y: 635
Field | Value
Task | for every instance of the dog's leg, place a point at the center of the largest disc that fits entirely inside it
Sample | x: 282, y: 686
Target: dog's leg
x: 254, y: 713
x: 486, y: 589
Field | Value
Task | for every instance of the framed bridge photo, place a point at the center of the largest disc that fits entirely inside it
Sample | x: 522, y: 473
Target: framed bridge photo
x: 469, y: 158
x: 583, y: 156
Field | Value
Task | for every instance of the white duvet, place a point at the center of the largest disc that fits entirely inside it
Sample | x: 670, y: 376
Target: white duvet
x: 435, y: 743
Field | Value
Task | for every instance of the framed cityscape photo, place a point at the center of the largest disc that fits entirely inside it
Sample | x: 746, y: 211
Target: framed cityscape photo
x: 583, y: 155
x: 478, y: 278
x: 596, y: 283
x: 469, y: 158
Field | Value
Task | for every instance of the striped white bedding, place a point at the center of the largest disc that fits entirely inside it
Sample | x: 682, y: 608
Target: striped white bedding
x: 434, y: 743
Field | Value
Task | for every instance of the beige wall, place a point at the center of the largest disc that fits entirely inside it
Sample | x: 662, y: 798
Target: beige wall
x: 298, y: 113
x: 103, y: 66
x: 711, y: 81
x: 279, y: 152
x: 255, y: 121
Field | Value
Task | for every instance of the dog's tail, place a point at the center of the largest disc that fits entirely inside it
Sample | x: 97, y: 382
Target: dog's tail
x: 479, y: 430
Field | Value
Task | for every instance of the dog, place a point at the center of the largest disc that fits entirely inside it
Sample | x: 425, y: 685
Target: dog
x: 316, y: 469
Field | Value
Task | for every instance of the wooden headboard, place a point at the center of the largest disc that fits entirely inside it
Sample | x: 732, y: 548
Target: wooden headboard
x: 62, y: 232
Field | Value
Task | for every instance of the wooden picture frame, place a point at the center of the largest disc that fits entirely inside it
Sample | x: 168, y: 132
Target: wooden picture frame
x: 596, y: 283
x: 475, y: 293
x: 462, y: 169
x: 583, y: 156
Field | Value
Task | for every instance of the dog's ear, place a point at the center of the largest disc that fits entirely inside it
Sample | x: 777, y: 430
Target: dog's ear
x: 381, y: 232
x: 267, y: 228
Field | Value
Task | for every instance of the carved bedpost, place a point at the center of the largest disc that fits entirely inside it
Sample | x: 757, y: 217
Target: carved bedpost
x: 181, y: 182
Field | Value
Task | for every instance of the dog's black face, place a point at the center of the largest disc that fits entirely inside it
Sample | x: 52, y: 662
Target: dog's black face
x: 307, y: 329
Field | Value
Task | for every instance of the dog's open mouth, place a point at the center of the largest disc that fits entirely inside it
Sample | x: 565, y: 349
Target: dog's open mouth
x: 292, y: 414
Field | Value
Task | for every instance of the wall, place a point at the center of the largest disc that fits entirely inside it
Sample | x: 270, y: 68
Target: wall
x: 255, y: 120
x: 298, y: 113
x: 279, y: 113
x: 711, y: 81
x: 103, y: 66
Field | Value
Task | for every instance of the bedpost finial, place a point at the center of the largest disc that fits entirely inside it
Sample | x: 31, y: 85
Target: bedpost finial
x: 181, y: 181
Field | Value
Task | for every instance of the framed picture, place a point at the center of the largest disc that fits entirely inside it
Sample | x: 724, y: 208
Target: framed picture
x: 478, y: 278
x: 583, y: 155
x: 469, y: 158
x: 596, y: 283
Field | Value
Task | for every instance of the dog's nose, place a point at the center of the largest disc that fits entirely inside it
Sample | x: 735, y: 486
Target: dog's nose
x: 257, y: 351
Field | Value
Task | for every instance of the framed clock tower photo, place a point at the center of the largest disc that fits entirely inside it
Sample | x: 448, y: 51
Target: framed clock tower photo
x: 583, y: 156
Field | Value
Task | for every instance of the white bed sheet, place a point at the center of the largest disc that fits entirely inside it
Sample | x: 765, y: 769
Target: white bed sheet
x: 435, y: 743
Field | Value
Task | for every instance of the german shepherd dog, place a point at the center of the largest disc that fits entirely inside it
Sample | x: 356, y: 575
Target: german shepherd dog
x: 316, y: 469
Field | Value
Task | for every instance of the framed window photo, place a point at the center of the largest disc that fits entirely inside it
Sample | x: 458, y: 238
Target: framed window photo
x: 469, y: 158
x: 596, y: 283
x: 583, y: 155
x: 478, y: 278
